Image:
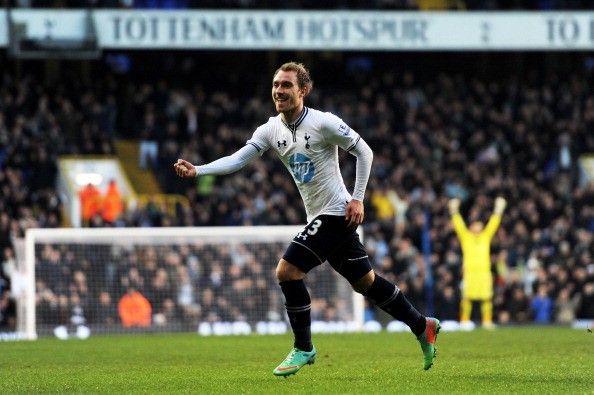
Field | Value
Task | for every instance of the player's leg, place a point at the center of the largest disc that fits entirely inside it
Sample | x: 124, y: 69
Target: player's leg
x: 352, y: 262
x: 307, y: 250
x: 487, y: 313
x: 388, y: 297
x: 465, y: 310
x: 297, y: 302
x: 298, y: 305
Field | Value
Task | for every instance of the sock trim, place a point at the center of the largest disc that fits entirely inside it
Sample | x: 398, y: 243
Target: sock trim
x: 298, y: 309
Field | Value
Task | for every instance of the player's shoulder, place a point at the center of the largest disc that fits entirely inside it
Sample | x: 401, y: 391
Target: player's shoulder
x: 269, y: 126
x: 320, y: 115
x: 272, y: 121
x: 322, y: 119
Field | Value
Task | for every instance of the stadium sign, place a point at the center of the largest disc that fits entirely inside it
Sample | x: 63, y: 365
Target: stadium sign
x: 311, y: 30
x: 215, y: 29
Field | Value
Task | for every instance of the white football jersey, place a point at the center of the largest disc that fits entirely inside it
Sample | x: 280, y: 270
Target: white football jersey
x: 309, y: 149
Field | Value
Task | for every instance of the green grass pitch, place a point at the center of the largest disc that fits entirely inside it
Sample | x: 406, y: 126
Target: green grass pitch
x: 508, y: 360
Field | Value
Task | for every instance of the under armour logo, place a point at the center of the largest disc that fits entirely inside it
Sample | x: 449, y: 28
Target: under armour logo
x: 302, y: 236
x: 283, y: 143
x: 306, y: 137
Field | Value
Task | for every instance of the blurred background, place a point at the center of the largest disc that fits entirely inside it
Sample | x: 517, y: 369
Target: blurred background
x: 458, y: 99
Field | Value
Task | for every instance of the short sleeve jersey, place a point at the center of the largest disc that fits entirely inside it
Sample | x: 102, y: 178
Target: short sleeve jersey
x: 309, y: 149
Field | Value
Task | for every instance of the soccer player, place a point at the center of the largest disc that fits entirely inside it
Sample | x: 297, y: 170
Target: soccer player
x: 307, y: 141
x: 477, y: 284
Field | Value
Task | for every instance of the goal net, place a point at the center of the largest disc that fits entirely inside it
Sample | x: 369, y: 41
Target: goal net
x: 217, y: 280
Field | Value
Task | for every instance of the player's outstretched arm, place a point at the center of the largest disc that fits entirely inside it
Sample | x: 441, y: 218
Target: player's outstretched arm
x: 495, y: 220
x: 225, y: 165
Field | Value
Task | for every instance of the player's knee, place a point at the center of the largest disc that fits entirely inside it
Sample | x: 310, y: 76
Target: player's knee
x: 363, y: 284
x: 285, y: 271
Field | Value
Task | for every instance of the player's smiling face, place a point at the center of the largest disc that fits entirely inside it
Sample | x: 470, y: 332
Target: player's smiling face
x: 287, y: 97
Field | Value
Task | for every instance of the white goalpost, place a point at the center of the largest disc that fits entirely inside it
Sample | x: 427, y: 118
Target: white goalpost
x: 210, y: 280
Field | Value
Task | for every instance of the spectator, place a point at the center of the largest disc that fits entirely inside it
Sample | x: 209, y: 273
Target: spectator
x: 542, y: 306
x: 134, y: 309
x: 447, y: 304
x: 161, y: 295
x: 518, y: 307
x: 149, y: 145
x: 106, y: 313
x: 7, y: 310
x: 382, y: 204
x: 113, y: 205
x: 5, y: 231
x: 586, y: 309
x: 566, y: 306
x: 90, y: 203
x: 9, y: 264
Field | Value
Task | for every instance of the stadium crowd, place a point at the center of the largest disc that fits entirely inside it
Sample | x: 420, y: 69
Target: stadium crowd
x: 178, y: 285
x: 452, y: 135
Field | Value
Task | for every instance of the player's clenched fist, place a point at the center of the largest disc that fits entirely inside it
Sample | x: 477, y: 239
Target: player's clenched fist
x: 184, y: 169
x: 500, y: 204
x: 454, y: 206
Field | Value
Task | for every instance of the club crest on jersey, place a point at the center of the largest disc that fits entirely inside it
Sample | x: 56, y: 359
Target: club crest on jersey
x: 302, y: 167
x: 344, y: 130
x: 307, y: 137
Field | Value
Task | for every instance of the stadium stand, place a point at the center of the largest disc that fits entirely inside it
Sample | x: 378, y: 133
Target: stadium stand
x: 173, y: 280
x: 435, y: 136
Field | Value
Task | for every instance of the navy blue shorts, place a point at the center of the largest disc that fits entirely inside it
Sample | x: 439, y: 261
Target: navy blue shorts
x: 329, y: 238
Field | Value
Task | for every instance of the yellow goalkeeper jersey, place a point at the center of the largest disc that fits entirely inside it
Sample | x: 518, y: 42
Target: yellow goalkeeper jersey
x: 476, y: 261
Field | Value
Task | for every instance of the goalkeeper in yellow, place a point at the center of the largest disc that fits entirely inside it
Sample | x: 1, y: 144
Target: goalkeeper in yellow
x: 477, y: 280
